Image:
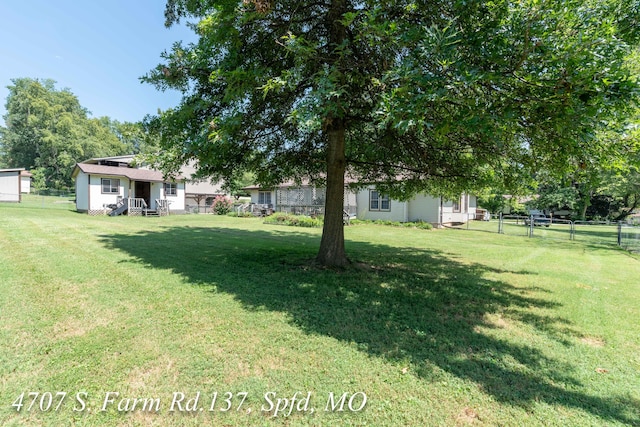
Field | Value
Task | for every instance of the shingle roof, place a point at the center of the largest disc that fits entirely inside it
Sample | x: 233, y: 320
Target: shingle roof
x: 131, y: 173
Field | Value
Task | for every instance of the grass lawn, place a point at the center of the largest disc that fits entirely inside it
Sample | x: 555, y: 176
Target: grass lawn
x: 442, y: 327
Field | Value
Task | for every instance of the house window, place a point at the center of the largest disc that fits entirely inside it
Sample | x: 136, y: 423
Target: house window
x: 264, y: 197
x: 456, y: 206
x: 170, y: 189
x: 110, y: 186
x: 378, y: 202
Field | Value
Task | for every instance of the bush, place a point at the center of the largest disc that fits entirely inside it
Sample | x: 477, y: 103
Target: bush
x: 235, y: 214
x: 293, y: 220
x: 221, y: 205
x: 306, y: 221
x: 419, y: 224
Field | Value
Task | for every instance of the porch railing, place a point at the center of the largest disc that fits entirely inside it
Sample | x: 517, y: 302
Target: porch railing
x: 136, y: 206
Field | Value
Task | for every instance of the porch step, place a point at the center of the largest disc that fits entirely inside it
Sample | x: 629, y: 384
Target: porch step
x: 149, y: 212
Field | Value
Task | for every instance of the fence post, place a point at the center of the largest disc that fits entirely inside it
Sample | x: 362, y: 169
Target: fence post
x: 619, y: 233
x: 500, y: 229
x: 572, y: 233
x: 530, y: 225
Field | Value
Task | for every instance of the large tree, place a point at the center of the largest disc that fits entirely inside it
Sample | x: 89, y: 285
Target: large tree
x: 47, y: 128
x: 439, y: 96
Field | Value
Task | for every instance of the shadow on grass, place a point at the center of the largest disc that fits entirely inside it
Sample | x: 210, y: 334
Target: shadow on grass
x: 422, y: 307
x: 589, y: 239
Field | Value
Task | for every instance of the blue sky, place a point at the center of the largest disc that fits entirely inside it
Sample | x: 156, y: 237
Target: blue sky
x: 97, y: 49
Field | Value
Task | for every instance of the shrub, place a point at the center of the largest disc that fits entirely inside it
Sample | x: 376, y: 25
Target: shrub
x: 418, y: 224
x: 306, y: 221
x: 423, y: 225
x: 221, y: 205
x: 293, y: 220
x: 235, y: 214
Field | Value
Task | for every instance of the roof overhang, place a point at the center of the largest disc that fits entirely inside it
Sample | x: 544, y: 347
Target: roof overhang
x: 133, y: 174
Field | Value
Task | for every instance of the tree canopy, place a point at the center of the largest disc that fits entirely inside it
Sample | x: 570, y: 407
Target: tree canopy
x: 604, y: 187
x: 47, y: 130
x: 437, y: 96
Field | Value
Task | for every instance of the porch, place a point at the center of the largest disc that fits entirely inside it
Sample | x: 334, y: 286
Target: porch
x: 136, y: 206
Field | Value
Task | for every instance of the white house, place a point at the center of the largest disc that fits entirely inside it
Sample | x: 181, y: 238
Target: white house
x: 11, y: 184
x: 373, y: 205
x: 107, y: 185
x: 367, y: 204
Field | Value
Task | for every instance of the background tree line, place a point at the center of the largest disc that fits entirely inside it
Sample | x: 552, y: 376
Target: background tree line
x: 47, y: 131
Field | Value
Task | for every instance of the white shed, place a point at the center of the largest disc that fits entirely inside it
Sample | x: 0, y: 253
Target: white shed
x: 10, y: 184
x: 25, y: 182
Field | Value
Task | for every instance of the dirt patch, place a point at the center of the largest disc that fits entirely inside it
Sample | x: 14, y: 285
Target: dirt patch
x: 593, y: 341
x: 148, y: 377
x: 467, y: 416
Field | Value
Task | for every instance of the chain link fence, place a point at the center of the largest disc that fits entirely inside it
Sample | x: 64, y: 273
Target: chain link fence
x: 629, y: 237
x: 48, y: 199
x: 592, y: 232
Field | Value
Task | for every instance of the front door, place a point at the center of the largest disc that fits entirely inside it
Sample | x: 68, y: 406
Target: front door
x: 143, y: 191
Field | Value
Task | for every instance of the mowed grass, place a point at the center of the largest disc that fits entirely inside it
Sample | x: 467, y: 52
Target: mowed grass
x: 441, y: 327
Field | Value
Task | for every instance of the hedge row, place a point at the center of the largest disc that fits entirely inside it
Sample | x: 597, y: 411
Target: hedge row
x: 307, y: 221
x: 293, y: 220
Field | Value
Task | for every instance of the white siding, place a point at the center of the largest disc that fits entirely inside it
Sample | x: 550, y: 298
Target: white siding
x: 98, y: 199
x: 176, y: 203
x: 10, y: 186
x: 82, y: 200
x: 91, y: 198
x: 447, y: 212
x: 473, y: 206
x: 157, y: 192
x: 467, y: 210
x: 25, y: 184
x: 424, y: 208
x: 180, y: 202
x: 397, y: 212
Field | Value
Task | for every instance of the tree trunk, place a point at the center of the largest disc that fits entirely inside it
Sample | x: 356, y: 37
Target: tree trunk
x: 332, y: 253
x: 585, y: 205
